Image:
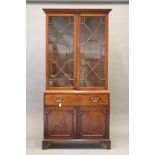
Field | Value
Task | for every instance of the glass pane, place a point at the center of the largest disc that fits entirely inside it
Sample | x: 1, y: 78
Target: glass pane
x: 60, y: 51
x: 92, y: 51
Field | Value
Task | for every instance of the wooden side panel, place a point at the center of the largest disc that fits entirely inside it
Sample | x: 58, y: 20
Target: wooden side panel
x: 93, y: 122
x: 59, y: 122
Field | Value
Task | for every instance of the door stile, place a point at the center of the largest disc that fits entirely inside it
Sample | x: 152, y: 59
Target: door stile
x: 76, y: 51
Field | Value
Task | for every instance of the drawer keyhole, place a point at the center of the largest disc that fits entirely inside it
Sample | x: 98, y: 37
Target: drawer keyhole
x: 60, y: 105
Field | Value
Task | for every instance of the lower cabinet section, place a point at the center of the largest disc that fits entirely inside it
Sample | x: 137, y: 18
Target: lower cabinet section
x: 77, y: 122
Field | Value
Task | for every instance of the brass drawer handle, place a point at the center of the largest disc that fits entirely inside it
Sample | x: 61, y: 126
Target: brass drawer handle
x: 95, y: 99
x: 58, y: 99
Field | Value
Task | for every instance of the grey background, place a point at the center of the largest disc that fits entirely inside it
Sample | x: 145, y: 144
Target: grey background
x: 118, y: 78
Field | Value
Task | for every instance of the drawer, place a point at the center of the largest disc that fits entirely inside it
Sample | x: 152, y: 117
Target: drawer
x: 52, y: 99
x: 94, y: 99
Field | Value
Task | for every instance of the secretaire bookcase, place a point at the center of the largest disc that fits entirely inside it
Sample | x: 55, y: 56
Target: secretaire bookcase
x: 76, y: 99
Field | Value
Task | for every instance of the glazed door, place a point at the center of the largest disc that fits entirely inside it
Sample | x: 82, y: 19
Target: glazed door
x: 93, y: 122
x: 59, y: 122
x: 93, y: 51
x: 76, y: 51
x: 60, y: 51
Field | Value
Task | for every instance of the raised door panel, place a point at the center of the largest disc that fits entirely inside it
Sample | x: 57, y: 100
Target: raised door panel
x: 59, y: 122
x: 93, y: 122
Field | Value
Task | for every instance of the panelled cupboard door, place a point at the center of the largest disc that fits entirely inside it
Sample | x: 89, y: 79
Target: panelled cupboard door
x: 59, y: 122
x: 93, y: 122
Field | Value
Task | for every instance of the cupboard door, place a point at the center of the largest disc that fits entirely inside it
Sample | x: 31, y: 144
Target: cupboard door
x: 93, y: 122
x: 92, y: 51
x: 60, y: 51
x: 59, y: 122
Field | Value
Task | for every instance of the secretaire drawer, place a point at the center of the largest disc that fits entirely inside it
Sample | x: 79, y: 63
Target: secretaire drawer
x: 51, y: 99
x: 94, y: 99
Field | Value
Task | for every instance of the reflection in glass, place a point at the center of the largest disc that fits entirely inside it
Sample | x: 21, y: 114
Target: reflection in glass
x: 60, y: 51
x: 92, y: 51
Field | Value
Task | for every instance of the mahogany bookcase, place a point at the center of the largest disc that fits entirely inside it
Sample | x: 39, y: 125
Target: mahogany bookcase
x: 76, y: 99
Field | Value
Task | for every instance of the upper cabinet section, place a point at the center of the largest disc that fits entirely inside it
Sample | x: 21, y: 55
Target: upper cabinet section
x: 76, y: 49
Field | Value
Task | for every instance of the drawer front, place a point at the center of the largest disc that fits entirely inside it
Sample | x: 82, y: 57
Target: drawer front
x: 94, y: 99
x: 52, y: 99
